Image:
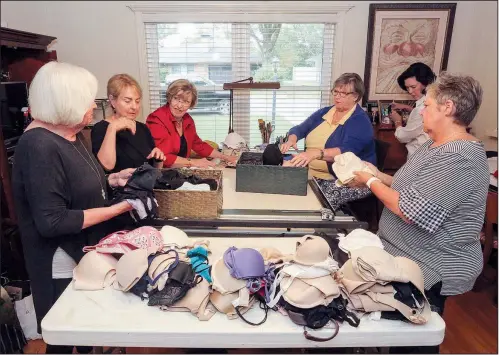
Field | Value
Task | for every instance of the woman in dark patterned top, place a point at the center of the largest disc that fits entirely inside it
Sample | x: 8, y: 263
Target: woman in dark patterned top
x: 435, y: 204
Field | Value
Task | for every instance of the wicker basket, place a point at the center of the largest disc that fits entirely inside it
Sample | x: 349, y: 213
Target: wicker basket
x: 252, y: 176
x: 192, y: 204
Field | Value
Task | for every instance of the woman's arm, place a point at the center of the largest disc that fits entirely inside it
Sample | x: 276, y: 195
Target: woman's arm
x: 107, y: 151
x: 95, y: 216
x: 385, y: 194
x: 413, y: 128
x: 47, y: 190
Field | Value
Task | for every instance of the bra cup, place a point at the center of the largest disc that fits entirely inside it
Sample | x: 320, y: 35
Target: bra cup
x: 159, y: 264
x: 244, y: 263
x: 223, y: 281
x: 194, y: 297
x: 94, y: 271
x: 223, y: 304
x: 325, y: 284
x: 302, y: 295
x: 174, y: 237
x: 122, y: 242
x: 131, y: 267
x: 311, y: 249
x: 375, y: 264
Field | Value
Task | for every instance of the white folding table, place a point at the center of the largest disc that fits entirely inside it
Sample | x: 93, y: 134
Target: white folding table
x: 113, y: 318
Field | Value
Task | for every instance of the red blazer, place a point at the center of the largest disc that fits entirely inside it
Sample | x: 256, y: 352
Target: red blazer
x: 162, y: 127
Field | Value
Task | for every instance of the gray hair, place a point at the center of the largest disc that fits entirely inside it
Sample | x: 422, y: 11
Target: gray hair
x: 61, y: 94
x: 464, y: 91
x: 354, y: 80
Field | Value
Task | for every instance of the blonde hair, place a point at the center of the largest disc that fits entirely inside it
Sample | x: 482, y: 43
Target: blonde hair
x: 62, y: 93
x: 120, y: 81
x: 182, y: 85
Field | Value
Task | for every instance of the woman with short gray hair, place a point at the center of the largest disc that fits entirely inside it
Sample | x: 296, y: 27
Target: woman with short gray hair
x: 435, y: 204
x: 333, y: 130
x: 60, y: 189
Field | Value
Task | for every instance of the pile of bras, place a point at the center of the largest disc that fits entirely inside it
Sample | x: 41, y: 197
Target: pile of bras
x: 173, y: 272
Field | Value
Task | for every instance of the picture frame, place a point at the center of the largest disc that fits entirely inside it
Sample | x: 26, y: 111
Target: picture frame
x: 399, y: 35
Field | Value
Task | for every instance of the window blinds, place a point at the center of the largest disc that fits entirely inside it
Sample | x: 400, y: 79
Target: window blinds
x: 299, y: 56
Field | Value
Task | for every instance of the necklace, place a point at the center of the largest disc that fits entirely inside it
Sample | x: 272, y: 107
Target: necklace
x: 96, y: 170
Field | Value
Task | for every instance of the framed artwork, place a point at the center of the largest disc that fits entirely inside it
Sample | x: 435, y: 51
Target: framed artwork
x: 399, y: 35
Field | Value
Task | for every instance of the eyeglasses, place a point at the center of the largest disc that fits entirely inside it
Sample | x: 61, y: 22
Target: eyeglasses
x: 181, y: 102
x: 341, y: 94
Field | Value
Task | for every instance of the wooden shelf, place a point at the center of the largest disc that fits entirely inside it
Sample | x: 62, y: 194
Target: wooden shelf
x: 21, y: 39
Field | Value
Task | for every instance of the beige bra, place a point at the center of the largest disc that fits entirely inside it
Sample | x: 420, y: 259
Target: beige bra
x: 225, y: 284
x: 195, y: 301
x: 130, y: 268
x: 95, y: 271
x: 309, y: 293
x: 225, y: 304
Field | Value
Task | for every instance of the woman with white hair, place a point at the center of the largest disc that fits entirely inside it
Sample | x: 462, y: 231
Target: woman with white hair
x: 59, y: 187
x: 435, y: 204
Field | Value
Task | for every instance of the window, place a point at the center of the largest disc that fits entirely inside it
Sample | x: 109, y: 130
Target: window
x: 298, y: 55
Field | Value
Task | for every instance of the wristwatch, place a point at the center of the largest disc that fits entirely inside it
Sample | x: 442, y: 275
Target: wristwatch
x: 322, y: 154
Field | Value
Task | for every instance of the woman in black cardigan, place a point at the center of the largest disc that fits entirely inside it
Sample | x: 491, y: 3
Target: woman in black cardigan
x: 59, y: 187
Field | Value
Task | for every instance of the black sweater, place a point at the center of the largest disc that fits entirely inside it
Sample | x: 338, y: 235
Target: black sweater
x: 54, y: 180
x: 131, y: 149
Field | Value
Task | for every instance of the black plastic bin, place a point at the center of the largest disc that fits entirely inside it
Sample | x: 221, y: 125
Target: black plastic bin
x: 253, y: 176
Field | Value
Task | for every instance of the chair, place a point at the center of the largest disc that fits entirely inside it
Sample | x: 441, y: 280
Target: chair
x: 381, y: 148
x: 488, y: 244
x: 490, y: 219
x: 363, y: 209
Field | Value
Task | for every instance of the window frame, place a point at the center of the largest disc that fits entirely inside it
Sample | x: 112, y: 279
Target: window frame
x: 234, y: 12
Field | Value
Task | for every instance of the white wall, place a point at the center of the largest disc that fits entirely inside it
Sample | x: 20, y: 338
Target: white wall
x: 97, y: 35
x: 101, y: 36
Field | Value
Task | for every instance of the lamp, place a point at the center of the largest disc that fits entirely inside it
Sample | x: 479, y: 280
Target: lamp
x: 238, y: 85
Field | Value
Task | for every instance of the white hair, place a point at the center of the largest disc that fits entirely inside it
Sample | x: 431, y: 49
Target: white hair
x: 61, y: 94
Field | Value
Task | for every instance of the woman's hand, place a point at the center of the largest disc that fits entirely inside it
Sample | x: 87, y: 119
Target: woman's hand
x: 303, y: 159
x: 373, y: 168
x: 395, y: 117
x: 120, y: 178
x: 401, y: 107
x: 230, y: 158
x: 123, y: 123
x: 202, y: 163
x: 157, y: 154
x: 290, y: 143
x: 360, y: 179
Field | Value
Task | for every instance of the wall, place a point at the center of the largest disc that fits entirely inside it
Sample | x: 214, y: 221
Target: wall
x: 473, y: 51
x: 101, y: 37
x: 97, y: 35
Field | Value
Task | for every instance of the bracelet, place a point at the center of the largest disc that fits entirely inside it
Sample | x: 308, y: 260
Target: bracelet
x: 371, y: 180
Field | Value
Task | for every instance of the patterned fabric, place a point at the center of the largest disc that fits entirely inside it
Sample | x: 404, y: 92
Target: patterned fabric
x: 338, y: 196
x: 122, y: 242
x: 443, y: 191
x: 420, y: 210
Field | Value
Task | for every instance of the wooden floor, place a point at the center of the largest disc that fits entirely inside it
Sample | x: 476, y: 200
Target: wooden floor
x: 471, y: 321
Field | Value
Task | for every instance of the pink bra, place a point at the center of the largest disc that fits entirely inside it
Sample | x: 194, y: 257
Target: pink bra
x: 124, y: 241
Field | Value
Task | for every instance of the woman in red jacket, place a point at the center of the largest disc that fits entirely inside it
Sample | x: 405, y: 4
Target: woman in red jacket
x: 174, y: 131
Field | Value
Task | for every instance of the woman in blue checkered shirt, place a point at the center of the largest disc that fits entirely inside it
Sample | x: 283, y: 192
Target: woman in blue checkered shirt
x: 435, y: 204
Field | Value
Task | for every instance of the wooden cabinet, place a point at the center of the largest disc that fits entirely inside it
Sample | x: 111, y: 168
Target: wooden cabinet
x: 22, y: 54
x: 397, y: 153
